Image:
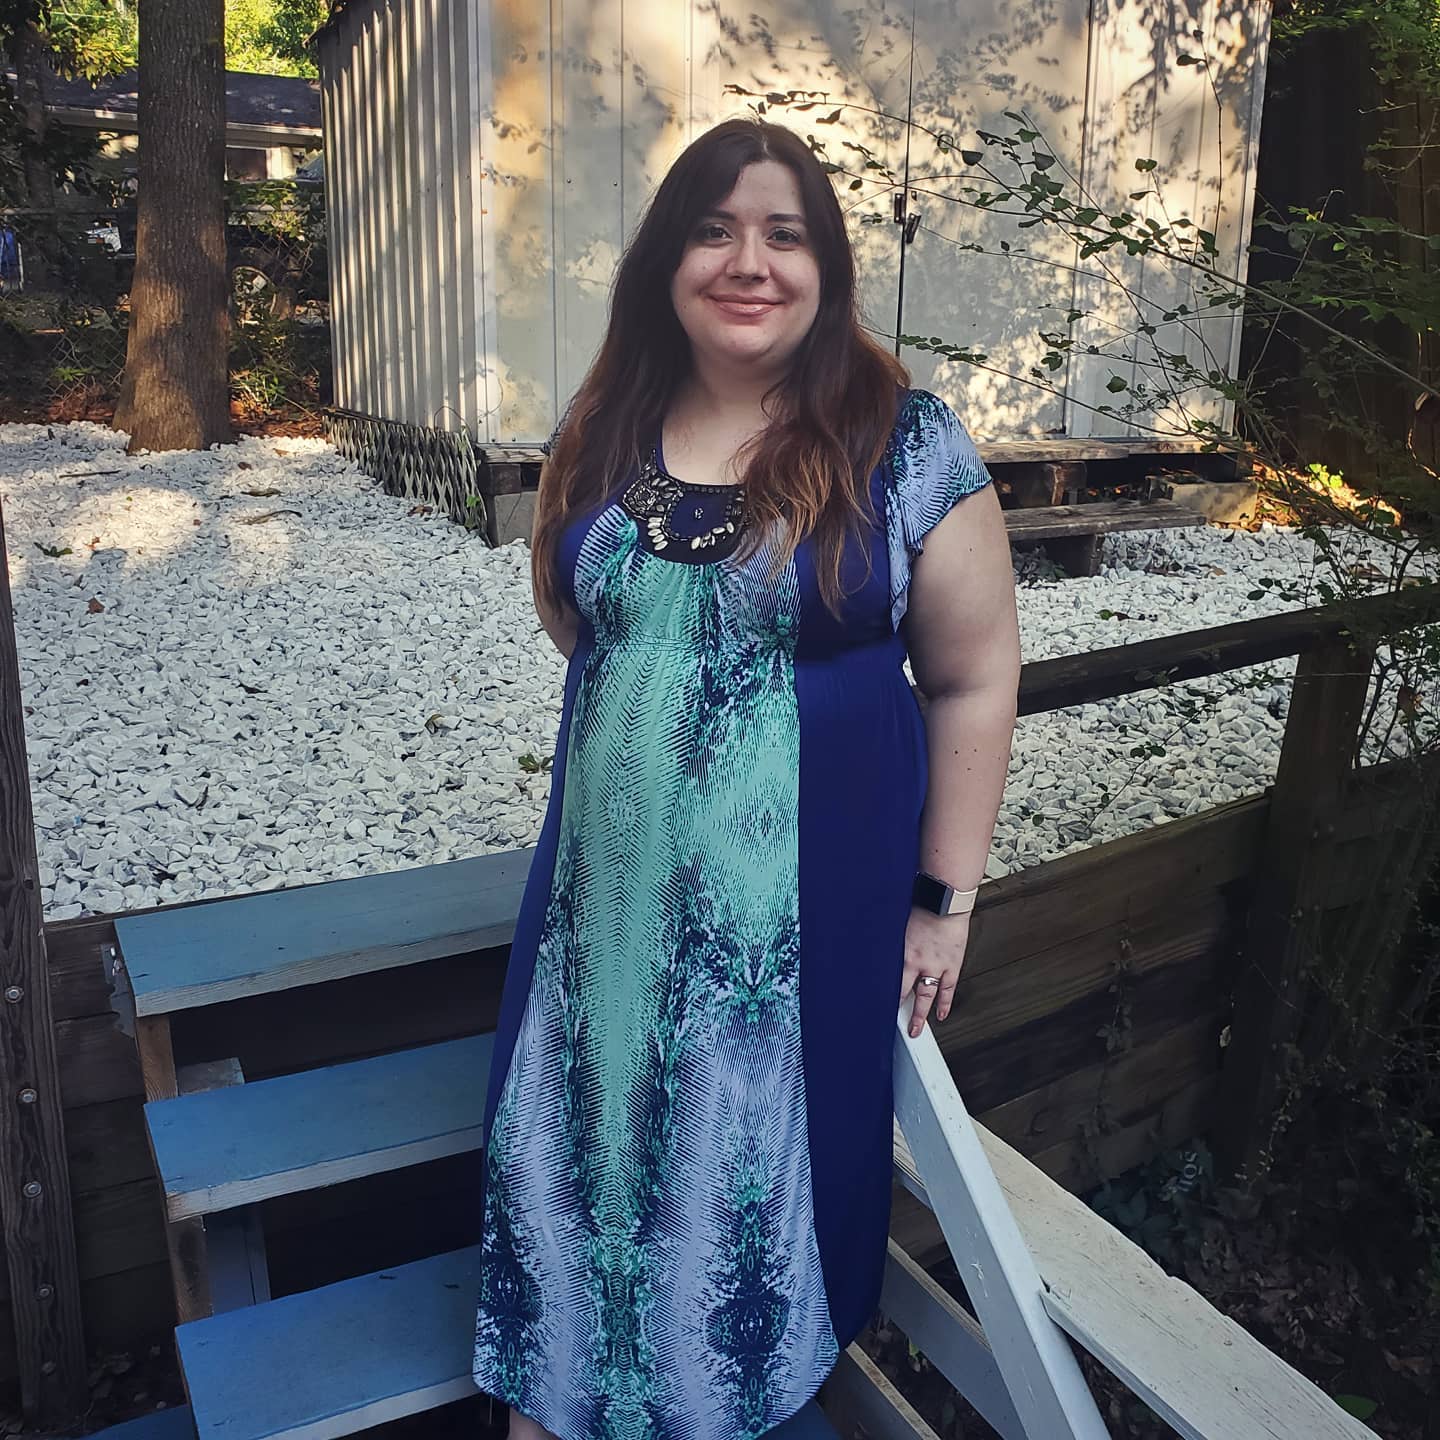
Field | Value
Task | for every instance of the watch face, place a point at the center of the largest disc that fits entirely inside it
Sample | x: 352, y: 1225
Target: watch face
x: 932, y: 893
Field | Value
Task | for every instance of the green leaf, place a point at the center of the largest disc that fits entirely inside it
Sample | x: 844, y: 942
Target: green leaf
x: 972, y: 157
x: 1043, y: 161
x: 829, y: 119
x: 1145, y: 165
x: 1360, y: 1406
x: 1115, y: 385
x: 856, y: 184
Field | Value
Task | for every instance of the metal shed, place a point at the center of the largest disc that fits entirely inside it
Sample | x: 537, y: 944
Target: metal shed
x: 486, y: 159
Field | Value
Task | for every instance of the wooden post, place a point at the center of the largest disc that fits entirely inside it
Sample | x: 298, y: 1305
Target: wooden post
x: 1316, y: 759
x: 34, y: 1176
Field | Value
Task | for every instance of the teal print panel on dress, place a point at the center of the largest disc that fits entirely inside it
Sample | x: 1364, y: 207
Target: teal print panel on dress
x: 649, y: 1257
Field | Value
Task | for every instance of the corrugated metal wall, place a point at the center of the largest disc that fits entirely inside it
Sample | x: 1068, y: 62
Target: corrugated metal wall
x: 486, y: 160
x: 400, y: 81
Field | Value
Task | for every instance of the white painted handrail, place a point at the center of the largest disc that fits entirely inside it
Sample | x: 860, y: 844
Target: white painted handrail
x: 1051, y: 1398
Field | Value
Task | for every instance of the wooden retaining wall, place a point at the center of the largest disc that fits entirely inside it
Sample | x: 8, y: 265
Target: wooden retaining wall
x: 1086, y: 1032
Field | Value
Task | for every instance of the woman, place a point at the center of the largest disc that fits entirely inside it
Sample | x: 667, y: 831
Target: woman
x: 688, y: 1124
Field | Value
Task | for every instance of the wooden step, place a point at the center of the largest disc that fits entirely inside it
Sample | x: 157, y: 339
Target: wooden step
x: 175, y: 1422
x: 333, y: 1361
x: 238, y: 1145
x: 1099, y: 517
x: 194, y: 955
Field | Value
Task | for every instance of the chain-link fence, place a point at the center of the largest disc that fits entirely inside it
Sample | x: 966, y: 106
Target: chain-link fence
x: 65, y: 280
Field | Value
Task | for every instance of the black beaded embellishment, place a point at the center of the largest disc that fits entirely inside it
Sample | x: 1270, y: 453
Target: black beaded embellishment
x: 691, y: 523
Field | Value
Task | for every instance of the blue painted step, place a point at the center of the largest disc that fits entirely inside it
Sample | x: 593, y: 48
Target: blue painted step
x: 253, y: 944
x: 240, y: 1144
x: 332, y: 1361
x: 173, y: 1423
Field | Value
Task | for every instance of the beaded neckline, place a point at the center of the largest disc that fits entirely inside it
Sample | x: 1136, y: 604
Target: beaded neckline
x: 680, y: 519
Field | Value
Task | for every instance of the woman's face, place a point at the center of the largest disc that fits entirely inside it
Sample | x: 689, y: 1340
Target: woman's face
x: 748, y: 285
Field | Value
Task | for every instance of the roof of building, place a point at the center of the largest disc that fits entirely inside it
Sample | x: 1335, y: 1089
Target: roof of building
x: 271, y: 101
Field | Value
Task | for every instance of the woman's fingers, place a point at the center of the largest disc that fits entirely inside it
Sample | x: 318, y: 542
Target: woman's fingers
x: 946, y: 993
x: 924, y: 999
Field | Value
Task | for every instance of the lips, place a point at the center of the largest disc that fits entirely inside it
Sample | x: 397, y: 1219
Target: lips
x: 742, y: 308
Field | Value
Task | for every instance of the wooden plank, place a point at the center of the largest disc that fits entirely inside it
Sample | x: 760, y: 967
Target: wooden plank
x: 1043, y: 483
x: 237, y: 1272
x: 858, y: 1392
x: 279, y: 939
x: 79, y: 979
x: 1097, y: 517
x: 1188, y: 1113
x: 106, y: 1146
x: 996, y: 452
x: 122, y: 1312
x: 338, y: 1359
x: 1022, y: 914
x: 1133, y: 1085
x: 1124, y: 669
x: 1328, y: 699
x: 352, y: 1355
x: 98, y: 1061
x: 1014, y: 1061
x: 1009, y: 452
x: 950, y: 1338
x: 1040, y: 1371
x: 1205, y: 1375
x: 157, y: 1056
x: 349, y: 1019
x: 235, y: 1252
x: 173, y: 1423
x: 237, y: 1146
x: 119, y: 1229
x: 1003, y: 997
x: 34, y: 1177
x: 1381, y: 798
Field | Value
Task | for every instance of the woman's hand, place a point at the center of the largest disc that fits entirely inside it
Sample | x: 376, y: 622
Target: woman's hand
x: 934, y: 945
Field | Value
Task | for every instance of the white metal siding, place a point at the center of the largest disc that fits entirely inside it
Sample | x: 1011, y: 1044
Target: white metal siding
x: 487, y: 160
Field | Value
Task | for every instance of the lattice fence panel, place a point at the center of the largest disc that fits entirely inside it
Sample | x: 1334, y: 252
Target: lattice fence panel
x: 438, y: 467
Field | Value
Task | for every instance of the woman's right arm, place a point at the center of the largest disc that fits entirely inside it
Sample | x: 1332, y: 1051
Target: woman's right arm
x: 562, y: 626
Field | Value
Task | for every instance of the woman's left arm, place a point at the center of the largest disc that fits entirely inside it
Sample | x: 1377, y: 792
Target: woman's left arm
x: 963, y: 637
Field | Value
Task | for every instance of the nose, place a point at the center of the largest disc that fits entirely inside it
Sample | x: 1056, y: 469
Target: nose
x: 749, y: 259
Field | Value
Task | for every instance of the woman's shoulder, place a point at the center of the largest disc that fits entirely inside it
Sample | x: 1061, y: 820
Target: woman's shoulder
x: 923, y: 418
x: 929, y: 439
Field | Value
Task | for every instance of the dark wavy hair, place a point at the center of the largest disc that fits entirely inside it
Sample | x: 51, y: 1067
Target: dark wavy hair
x: 809, y: 470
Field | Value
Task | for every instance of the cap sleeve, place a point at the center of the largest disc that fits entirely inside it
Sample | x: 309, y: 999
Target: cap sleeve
x: 931, y: 463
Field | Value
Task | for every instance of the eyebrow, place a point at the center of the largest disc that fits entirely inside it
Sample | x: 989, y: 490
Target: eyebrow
x: 726, y: 215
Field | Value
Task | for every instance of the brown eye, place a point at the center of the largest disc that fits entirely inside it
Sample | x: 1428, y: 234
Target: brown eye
x: 787, y: 237
x: 710, y: 231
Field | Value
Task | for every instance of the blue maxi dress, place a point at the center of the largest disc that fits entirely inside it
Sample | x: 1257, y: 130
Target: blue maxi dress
x: 688, y: 1123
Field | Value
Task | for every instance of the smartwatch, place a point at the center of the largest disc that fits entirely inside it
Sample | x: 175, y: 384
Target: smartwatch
x: 935, y: 895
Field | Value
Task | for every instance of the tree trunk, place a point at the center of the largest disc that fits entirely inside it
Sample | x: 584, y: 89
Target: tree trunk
x: 37, y: 229
x: 175, y: 395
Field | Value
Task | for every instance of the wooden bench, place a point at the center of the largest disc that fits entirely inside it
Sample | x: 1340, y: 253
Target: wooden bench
x: 1071, y: 533
x: 350, y: 1355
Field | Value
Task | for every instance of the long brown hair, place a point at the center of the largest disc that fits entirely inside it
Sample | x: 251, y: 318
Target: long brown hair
x: 809, y: 469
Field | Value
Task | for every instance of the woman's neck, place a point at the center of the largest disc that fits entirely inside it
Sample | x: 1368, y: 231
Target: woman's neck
x: 724, y: 394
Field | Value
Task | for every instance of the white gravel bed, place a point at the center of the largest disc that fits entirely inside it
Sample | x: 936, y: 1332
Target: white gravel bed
x: 228, y: 692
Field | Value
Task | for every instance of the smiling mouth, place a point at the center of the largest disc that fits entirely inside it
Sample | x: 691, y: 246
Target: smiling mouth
x: 743, y: 307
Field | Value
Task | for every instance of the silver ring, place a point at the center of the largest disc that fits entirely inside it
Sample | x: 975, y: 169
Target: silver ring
x: 928, y: 980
